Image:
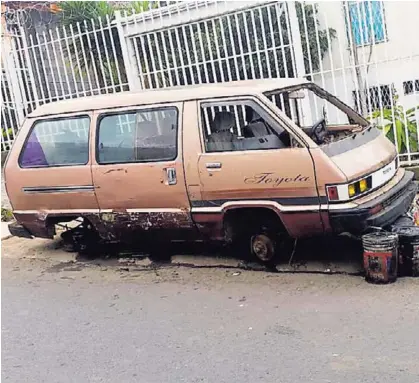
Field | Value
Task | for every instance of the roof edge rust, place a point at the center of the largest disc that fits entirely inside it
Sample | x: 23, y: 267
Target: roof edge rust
x: 162, y: 95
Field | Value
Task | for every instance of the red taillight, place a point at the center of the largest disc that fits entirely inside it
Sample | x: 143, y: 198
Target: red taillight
x: 332, y: 193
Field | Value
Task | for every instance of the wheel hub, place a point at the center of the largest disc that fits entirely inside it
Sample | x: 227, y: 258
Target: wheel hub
x: 262, y: 247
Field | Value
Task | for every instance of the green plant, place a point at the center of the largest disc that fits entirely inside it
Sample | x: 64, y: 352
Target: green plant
x: 6, y: 133
x: 6, y: 214
x: 315, y: 43
x: 399, y: 125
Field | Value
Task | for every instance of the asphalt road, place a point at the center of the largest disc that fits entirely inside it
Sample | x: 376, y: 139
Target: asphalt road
x: 88, y: 322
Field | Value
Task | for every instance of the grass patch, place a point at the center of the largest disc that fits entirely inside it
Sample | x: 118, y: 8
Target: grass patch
x: 6, y: 214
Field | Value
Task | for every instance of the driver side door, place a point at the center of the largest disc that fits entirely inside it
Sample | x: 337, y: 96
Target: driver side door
x: 262, y: 170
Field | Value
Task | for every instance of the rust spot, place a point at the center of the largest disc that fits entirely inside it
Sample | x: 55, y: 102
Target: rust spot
x: 42, y: 216
x: 116, y: 170
x: 123, y: 225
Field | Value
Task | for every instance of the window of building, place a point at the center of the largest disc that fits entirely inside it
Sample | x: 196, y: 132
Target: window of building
x: 240, y: 125
x: 410, y: 87
x: 375, y: 98
x: 138, y: 136
x: 57, y: 142
x: 367, y: 23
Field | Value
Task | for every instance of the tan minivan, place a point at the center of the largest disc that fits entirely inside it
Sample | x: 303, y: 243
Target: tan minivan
x: 253, y: 160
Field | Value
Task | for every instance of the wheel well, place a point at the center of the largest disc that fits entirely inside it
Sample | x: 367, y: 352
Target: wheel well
x: 240, y: 220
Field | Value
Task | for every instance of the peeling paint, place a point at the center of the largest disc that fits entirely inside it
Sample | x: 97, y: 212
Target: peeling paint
x: 120, y: 224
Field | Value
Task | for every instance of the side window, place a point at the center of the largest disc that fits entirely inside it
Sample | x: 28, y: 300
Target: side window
x: 240, y: 125
x: 138, y: 136
x: 57, y: 142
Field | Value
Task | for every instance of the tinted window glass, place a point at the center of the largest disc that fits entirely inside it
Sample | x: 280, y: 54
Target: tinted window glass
x: 57, y: 142
x: 139, y: 136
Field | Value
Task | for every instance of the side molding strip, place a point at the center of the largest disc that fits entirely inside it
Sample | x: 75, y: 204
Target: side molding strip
x: 58, y: 189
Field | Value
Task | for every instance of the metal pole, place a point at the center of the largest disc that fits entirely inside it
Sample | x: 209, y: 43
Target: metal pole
x: 132, y: 77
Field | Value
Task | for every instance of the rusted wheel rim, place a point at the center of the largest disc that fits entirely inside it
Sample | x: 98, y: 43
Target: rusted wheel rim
x: 262, y: 247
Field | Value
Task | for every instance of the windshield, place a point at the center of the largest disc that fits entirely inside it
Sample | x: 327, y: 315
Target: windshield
x: 307, y: 104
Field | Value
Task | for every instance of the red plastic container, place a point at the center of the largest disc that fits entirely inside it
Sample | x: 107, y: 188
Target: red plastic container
x: 380, y: 257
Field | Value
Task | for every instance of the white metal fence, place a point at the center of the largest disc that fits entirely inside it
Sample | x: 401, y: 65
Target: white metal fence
x: 355, y: 50
x: 58, y: 63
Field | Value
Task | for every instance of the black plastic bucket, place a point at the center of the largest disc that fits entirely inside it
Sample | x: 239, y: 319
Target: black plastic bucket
x: 380, y: 257
x: 408, y: 249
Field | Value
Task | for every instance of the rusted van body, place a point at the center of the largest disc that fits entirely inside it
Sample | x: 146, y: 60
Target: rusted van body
x: 205, y: 162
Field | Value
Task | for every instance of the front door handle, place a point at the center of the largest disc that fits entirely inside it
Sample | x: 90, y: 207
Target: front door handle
x: 171, y: 176
x: 213, y: 165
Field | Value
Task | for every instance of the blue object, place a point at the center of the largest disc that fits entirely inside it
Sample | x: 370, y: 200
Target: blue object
x: 367, y: 21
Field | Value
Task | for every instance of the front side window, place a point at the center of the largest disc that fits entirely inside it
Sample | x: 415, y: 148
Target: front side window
x: 240, y: 125
x: 319, y: 114
x: 57, y: 142
x: 138, y: 136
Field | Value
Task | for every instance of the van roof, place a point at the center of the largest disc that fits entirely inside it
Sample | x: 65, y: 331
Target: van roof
x: 162, y: 95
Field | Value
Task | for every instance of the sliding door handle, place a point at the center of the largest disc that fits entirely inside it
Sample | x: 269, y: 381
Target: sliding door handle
x: 213, y: 165
x: 171, y: 176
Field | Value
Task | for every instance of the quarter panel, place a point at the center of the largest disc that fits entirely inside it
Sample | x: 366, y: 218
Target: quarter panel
x: 52, y: 188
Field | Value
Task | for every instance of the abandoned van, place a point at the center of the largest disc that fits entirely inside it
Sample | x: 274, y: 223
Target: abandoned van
x: 255, y: 161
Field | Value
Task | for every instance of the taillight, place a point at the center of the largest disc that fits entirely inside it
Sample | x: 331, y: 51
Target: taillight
x: 332, y: 193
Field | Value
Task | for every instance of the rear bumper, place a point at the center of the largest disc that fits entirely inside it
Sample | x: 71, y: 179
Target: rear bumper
x: 18, y: 230
x: 380, y: 212
x: 31, y: 225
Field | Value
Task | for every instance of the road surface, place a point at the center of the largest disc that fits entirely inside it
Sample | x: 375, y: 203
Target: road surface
x: 98, y: 321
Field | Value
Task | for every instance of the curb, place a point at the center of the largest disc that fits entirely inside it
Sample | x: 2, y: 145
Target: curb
x: 5, y: 233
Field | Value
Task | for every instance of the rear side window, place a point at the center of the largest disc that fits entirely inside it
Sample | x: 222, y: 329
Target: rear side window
x: 138, y: 136
x: 57, y: 142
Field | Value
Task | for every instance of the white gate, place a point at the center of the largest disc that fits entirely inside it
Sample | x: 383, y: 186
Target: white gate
x: 56, y: 63
x: 210, y: 41
x: 14, y: 88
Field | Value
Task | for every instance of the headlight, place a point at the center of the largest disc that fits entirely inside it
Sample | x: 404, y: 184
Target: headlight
x: 351, y: 190
x: 345, y: 192
x: 363, y: 185
x: 359, y: 187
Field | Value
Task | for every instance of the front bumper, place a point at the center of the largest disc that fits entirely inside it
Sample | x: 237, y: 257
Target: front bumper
x: 380, y: 212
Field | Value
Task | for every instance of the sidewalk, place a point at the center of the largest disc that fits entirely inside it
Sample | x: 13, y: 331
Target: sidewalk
x: 5, y: 233
x: 4, y: 200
